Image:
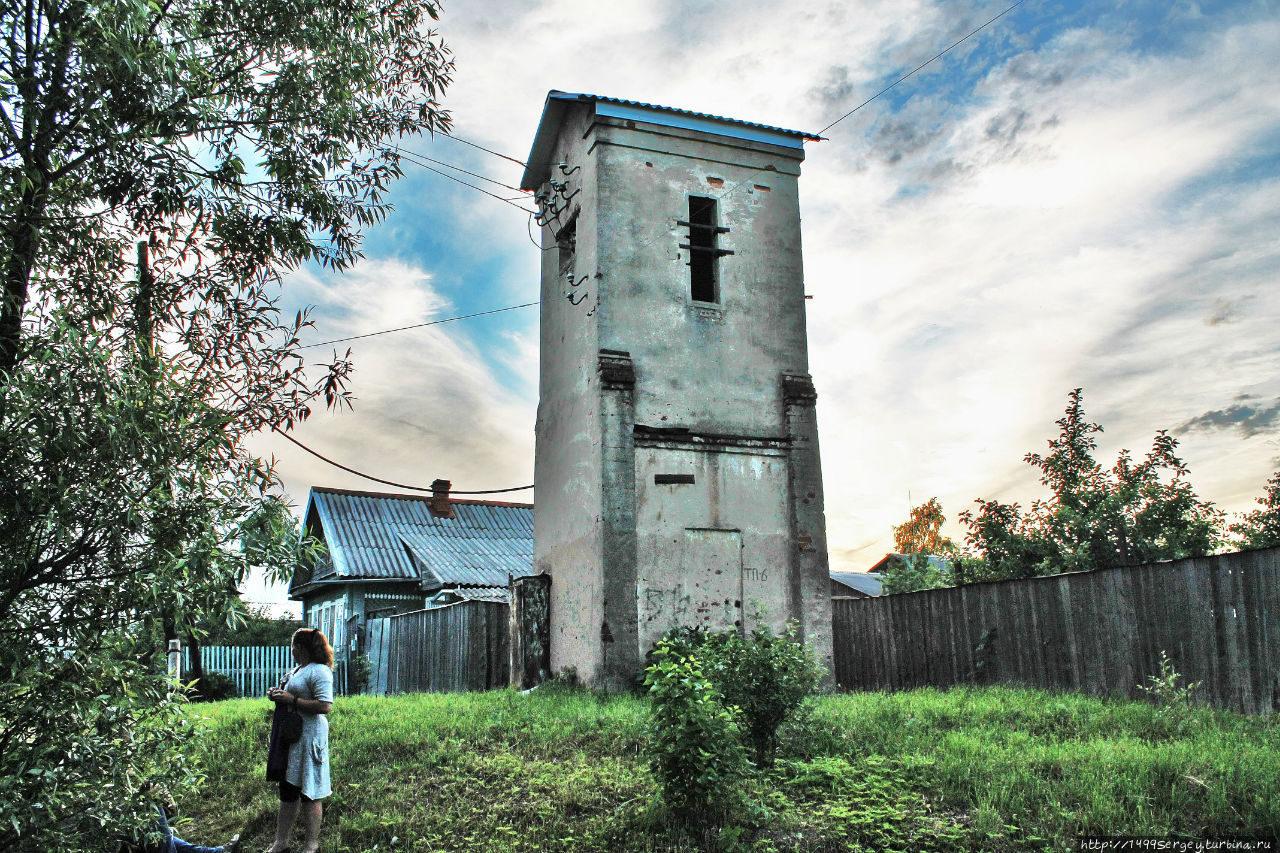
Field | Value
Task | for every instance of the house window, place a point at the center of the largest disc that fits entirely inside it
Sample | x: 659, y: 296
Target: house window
x: 704, y: 249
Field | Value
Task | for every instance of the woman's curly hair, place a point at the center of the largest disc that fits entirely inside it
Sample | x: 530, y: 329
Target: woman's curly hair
x: 318, y: 648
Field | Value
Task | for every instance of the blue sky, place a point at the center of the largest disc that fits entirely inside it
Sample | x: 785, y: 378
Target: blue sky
x: 1083, y: 194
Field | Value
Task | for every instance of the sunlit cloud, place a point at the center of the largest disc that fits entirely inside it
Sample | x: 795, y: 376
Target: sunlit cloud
x: 1074, y: 198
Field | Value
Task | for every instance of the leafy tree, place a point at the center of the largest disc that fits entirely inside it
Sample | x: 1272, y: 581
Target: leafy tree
x: 924, y: 556
x: 1134, y: 513
x: 921, y: 533
x: 161, y: 166
x: 1260, y: 528
x: 255, y: 627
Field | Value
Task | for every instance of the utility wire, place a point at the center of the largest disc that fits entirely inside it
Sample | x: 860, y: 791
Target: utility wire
x: 474, y: 187
x: 419, y: 325
x: 415, y: 156
x: 906, y: 76
x: 350, y: 470
x: 486, y: 150
x: 920, y: 66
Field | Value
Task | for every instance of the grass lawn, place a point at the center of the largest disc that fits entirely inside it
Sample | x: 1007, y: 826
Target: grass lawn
x: 965, y: 769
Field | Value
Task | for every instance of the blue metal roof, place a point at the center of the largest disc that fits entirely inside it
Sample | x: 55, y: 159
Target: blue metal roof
x: 867, y: 583
x: 540, y: 154
x: 384, y: 536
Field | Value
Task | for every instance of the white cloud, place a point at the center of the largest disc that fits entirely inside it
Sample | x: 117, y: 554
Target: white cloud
x: 427, y: 403
x: 1069, y: 222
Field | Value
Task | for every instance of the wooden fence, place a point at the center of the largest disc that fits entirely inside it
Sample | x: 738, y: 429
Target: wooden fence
x: 455, y: 648
x: 1100, y: 632
x: 252, y: 668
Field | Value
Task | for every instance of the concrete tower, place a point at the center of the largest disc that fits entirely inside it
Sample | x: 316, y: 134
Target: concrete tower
x: 677, y: 469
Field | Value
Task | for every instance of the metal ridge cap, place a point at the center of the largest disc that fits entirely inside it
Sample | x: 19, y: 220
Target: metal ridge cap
x: 539, y: 164
x: 422, y: 498
x: 589, y: 98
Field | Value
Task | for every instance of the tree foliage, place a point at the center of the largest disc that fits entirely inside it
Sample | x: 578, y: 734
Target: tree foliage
x: 161, y: 166
x: 921, y: 533
x: 924, y: 555
x: 256, y: 626
x: 1135, y: 512
x: 1260, y: 528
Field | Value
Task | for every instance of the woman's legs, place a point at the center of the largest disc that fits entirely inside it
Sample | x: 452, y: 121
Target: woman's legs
x: 284, y: 825
x: 311, y: 814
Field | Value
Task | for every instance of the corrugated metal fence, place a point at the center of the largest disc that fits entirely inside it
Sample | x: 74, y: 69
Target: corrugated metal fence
x: 455, y: 648
x: 252, y: 668
x: 1099, y: 632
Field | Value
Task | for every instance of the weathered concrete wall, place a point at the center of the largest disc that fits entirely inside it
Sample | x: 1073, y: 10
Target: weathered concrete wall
x: 713, y: 551
x: 640, y: 381
x: 568, y: 463
x: 711, y: 368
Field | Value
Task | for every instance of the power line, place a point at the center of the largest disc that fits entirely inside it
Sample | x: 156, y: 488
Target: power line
x: 350, y: 470
x: 906, y: 76
x: 920, y: 66
x: 486, y: 150
x: 419, y: 325
x: 413, y: 155
x: 472, y: 186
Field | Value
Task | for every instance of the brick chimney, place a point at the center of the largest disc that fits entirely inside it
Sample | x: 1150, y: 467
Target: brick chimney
x: 440, y: 506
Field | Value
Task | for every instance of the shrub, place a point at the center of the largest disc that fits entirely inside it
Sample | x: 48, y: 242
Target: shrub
x: 695, y: 748
x: 1164, y: 689
x: 1173, y: 714
x: 361, y: 673
x: 766, y: 676
x: 86, y: 739
x: 215, y: 686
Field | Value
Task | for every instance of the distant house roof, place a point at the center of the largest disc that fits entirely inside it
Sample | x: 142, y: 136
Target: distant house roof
x: 375, y: 536
x: 470, y: 593
x: 540, y: 154
x: 883, y: 562
x: 866, y: 583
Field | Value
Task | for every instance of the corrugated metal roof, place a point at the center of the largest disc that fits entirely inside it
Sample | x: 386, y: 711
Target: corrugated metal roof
x: 499, y: 594
x: 375, y: 535
x: 867, y: 583
x: 539, y: 154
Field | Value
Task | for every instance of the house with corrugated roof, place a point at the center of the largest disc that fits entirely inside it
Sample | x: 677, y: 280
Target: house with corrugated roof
x: 856, y: 584
x: 392, y: 553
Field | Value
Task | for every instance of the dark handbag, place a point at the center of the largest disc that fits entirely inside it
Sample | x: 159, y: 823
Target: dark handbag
x: 286, y: 729
x: 291, y: 726
x: 288, y: 719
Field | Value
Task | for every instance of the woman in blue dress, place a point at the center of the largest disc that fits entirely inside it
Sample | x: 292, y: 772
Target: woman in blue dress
x: 304, y: 778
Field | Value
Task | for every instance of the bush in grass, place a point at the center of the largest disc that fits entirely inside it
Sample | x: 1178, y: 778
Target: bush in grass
x: 1164, y: 689
x: 1172, y: 700
x: 216, y: 686
x: 695, y: 748
x: 767, y: 676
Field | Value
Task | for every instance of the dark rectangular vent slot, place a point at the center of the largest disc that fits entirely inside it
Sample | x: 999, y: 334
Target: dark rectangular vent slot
x: 704, y: 249
x: 673, y: 479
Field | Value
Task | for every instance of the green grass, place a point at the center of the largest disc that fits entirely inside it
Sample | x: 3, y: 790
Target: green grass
x: 966, y: 769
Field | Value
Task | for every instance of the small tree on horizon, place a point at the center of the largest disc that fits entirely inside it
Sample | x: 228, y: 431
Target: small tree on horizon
x: 921, y: 533
x: 917, y: 540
